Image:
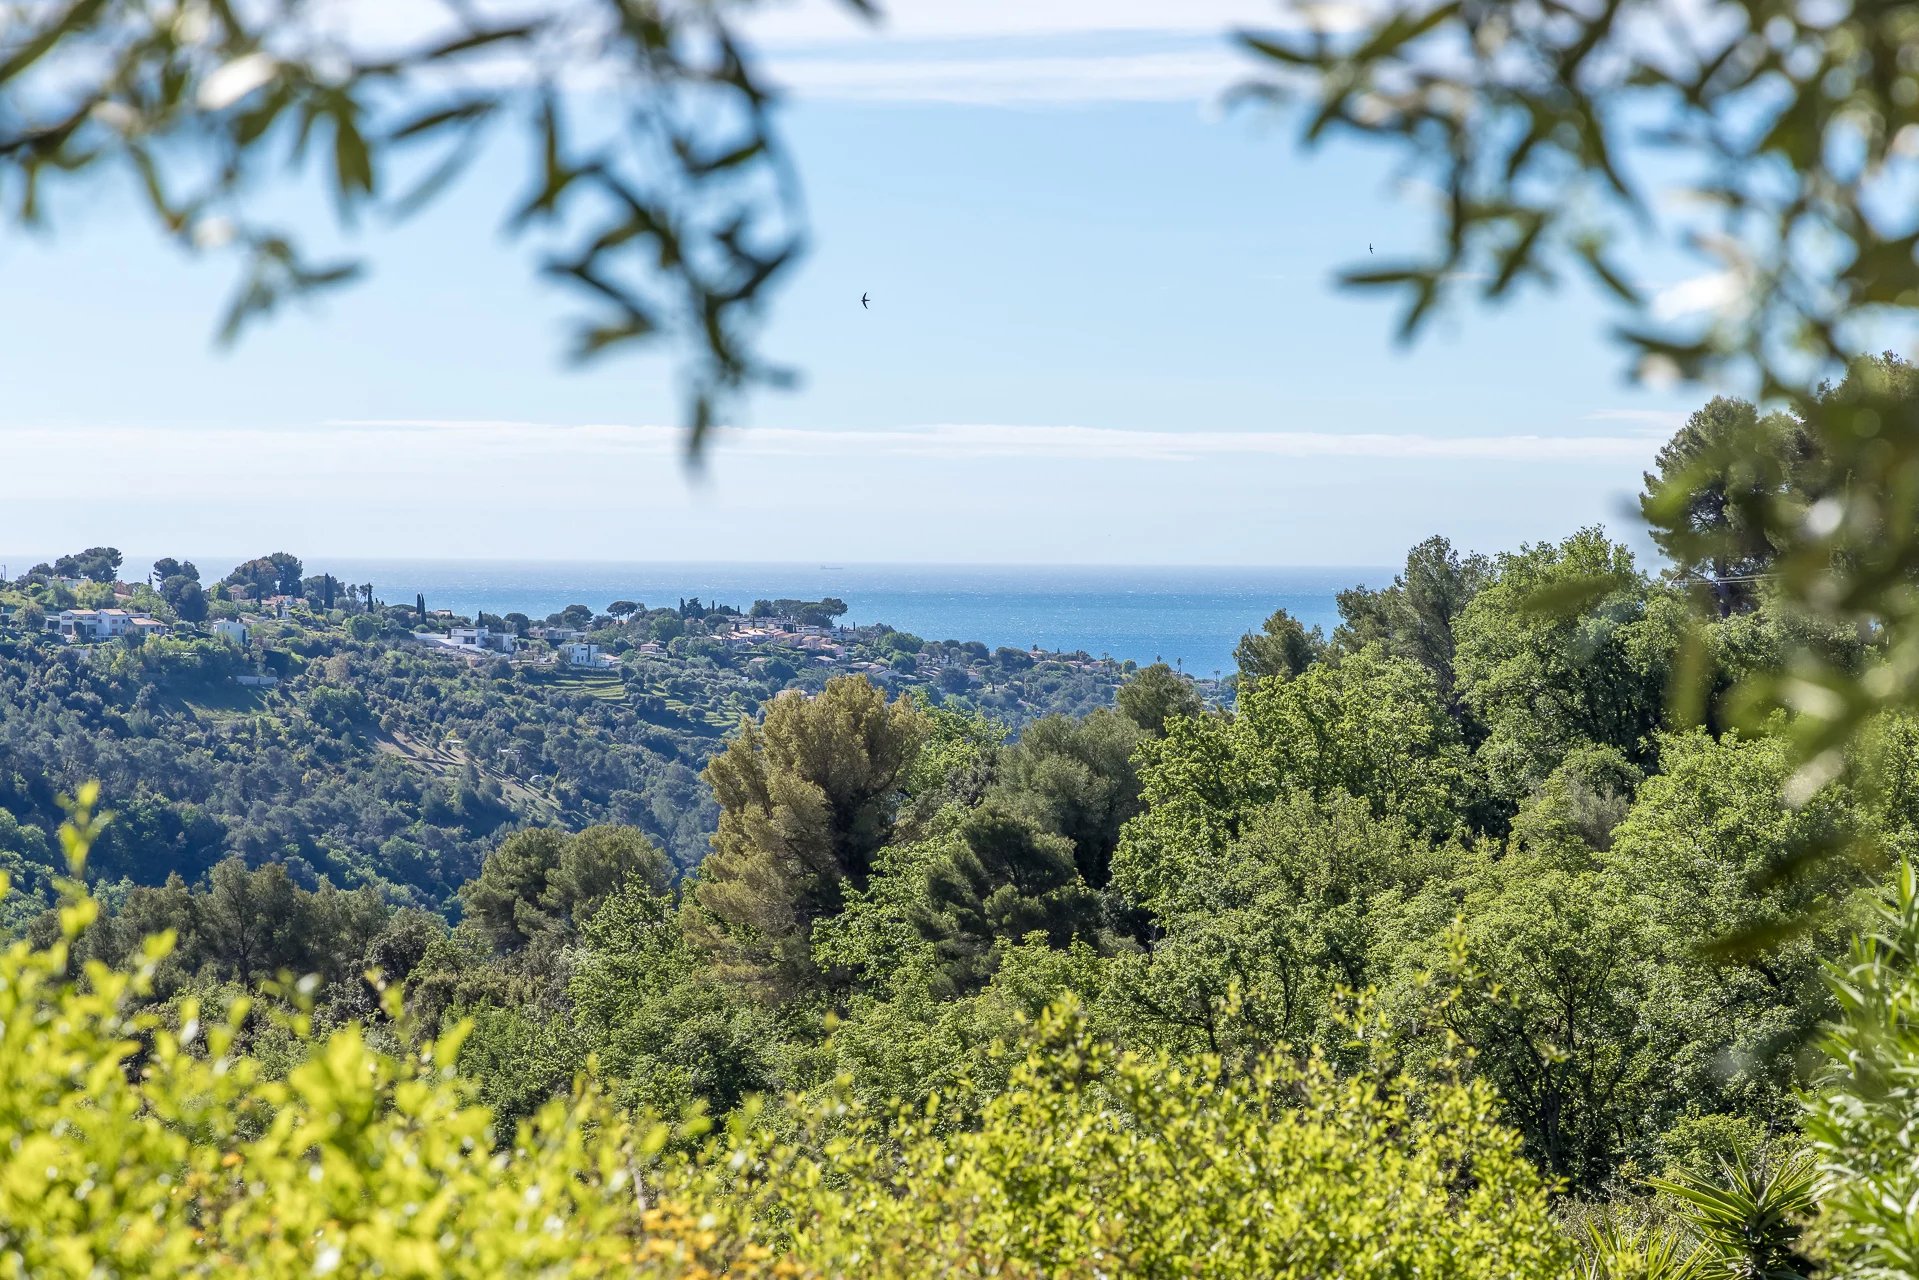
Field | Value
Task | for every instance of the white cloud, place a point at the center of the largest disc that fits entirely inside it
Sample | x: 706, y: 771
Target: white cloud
x: 981, y: 440
x: 1655, y: 421
x: 1016, y: 81
x: 973, y: 52
x: 950, y: 492
x: 804, y: 24
x: 816, y: 22
x: 1027, y: 52
x: 529, y: 489
x: 341, y: 446
x: 1716, y: 291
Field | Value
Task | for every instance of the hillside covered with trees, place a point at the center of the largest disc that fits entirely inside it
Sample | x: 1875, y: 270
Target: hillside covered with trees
x: 1508, y: 903
x: 1554, y: 916
x: 336, y: 736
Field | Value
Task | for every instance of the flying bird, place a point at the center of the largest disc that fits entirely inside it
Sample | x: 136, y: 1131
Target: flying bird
x: 863, y: 306
x: 1369, y: 248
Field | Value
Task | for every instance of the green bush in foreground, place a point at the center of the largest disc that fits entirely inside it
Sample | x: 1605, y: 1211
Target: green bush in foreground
x: 140, y: 1146
x: 137, y: 1147
x: 1864, y: 1121
x: 1093, y: 1164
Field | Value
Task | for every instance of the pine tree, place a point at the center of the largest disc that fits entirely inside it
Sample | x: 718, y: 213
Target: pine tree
x: 806, y: 800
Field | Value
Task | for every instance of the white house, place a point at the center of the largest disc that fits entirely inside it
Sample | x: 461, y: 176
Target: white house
x: 581, y: 654
x: 483, y: 638
x: 86, y: 626
x: 74, y: 624
x: 228, y: 629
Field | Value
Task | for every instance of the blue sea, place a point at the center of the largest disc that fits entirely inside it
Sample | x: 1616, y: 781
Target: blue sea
x: 1191, y: 617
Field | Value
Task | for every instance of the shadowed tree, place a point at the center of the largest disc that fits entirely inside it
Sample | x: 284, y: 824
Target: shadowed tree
x: 1416, y: 616
x: 1712, y: 474
x: 95, y: 564
x: 1155, y: 695
x: 190, y: 602
x: 167, y: 567
x: 1075, y: 778
x: 1001, y: 881
x: 543, y: 884
x: 276, y: 574
x: 1281, y: 647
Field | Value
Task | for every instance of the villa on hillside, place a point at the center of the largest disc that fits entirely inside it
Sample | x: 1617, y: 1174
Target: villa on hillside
x: 581, y: 654
x: 88, y: 626
x: 472, y: 640
x: 232, y: 631
x: 74, y: 624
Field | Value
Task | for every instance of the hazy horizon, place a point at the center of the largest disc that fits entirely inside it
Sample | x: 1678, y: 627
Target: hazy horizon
x: 214, y: 565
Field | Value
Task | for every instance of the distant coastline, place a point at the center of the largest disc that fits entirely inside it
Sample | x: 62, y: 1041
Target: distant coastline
x: 1190, y: 617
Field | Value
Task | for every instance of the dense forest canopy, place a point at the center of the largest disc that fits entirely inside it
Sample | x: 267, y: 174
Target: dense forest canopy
x: 1462, y: 870
x: 340, y: 737
x: 1552, y: 916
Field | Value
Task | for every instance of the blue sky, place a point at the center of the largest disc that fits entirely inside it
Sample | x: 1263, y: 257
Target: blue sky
x: 1103, y: 330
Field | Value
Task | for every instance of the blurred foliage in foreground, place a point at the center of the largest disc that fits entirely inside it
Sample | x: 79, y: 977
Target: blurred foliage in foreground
x: 1780, y: 142
x: 657, y: 188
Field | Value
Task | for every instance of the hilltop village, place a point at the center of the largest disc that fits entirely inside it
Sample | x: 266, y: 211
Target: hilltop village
x: 294, y: 717
x: 709, y: 661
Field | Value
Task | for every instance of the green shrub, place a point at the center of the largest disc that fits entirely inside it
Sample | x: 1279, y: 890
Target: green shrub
x: 143, y: 1146
x: 1864, y: 1120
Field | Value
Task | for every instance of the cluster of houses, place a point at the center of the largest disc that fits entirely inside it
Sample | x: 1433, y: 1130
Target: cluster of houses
x: 480, y: 641
x: 483, y: 638
x: 781, y: 629
x: 817, y: 641
x: 93, y: 626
